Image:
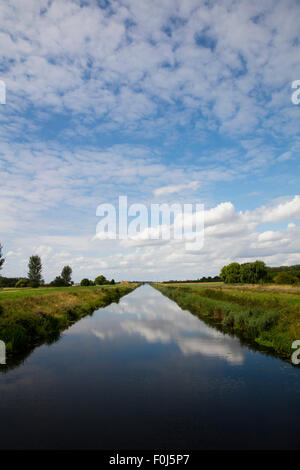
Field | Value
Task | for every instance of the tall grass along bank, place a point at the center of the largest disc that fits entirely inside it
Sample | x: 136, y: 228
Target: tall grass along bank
x: 30, y: 317
x: 269, y: 319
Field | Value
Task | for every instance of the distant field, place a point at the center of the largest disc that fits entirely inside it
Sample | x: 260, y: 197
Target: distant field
x: 14, y: 293
x: 284, y: 289
x: 200, y: 284
x: 267, y: 315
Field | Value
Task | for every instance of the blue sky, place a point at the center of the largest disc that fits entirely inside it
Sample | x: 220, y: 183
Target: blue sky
x: 106, y: 98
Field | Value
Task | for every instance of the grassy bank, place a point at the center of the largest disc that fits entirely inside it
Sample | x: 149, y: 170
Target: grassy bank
x: 31, y: 316
x: 269, y: 318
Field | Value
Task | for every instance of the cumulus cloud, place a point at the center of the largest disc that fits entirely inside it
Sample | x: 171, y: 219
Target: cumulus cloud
x: 282, y: 211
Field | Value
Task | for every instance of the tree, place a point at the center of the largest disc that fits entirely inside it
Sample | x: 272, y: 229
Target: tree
x: 2, y: 260
x: 87, y: 282
x: 247, y: 273
x: 253, y: 273
x: 58, y: 282
x: 35, y: 271
x: 231, y: 273
x: 66, y: 275
x: 286, y: 278
x: 260, y: 270
x: 112, y: 281
x: 8, y: 281
x: 101, y: 280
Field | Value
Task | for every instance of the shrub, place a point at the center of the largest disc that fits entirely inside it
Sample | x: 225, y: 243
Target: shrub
x: 22, y: 283
x: 34, y: 284
x: 87, y: 282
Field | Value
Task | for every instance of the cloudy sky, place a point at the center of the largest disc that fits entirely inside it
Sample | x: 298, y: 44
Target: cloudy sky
x: 164, y: 101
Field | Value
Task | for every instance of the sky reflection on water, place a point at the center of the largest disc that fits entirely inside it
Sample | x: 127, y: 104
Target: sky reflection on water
x: 158, y: 320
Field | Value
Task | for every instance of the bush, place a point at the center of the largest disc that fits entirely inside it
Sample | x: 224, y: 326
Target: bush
x: 22, y: 283
x: 34, y: 284
x: 87, y: 282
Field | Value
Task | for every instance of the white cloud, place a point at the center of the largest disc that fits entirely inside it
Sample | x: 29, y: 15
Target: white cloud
x: 284, y: 156
x: 269, y: 236
x: 141, y: 70
x: 229, y: 235
x: 283, y: 211
x: 222, y: 213
x: 175, y: 189
x: 124, y: 62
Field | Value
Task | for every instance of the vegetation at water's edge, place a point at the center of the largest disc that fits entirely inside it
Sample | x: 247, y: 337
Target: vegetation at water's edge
x: 268, y: 319
x: 29, y: 319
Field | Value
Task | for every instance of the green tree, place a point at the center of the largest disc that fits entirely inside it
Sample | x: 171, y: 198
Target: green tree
x: 112, y: 281
x: 101, y: 280
x: 247, y: 273
x: 251, y: 273
x: 66, y: 275
x: 35, y: 271
x: 231, y: 273
x: 58, y: 282
x: 85, y: 282
x: 286, y: 278
x: 260, y: 271
x: 2, y: 260
x: 254, y: 273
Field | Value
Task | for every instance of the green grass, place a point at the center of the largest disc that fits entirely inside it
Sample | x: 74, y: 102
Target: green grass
x: 267, y: 318
x: 31, y: 316
x: 15, y: 293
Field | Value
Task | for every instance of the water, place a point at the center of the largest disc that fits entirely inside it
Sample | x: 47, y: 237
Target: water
x: 146, y: 374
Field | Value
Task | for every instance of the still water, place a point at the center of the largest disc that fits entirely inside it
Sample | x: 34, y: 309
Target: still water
x: 146, y: 374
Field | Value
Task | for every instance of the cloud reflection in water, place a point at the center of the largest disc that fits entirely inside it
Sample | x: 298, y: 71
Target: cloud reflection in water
x: 147, y: 313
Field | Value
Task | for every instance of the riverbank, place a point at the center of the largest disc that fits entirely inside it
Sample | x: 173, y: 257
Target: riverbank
x: 31, y: 316
x: 269, y: 318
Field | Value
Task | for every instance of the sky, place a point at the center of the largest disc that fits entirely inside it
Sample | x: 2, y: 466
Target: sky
x: 162, y: 101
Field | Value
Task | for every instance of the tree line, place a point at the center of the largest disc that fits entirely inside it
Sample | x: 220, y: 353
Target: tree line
x: 190, y: 281
x: 257, y: 273
x: 34, y: 277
